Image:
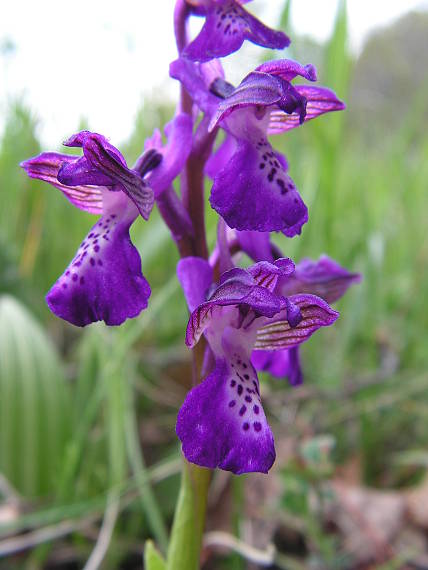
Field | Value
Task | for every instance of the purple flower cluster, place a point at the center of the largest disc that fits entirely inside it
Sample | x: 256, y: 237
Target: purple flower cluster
x: 254, y: 318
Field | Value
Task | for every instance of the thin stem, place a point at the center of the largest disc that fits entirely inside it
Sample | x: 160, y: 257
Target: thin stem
x: 104, y: 538
x: 192, y: 185
x: 181, y: 13
x: 189, y: 520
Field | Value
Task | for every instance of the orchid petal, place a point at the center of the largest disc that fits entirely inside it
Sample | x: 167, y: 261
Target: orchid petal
x: 280, y: 364
x: 175, y: 153
x: 195, y: 276
x: 103, y: 164
x: 278, y: 334
x: 256, y: 245
x: 45, y: 167
x: 266, y: 274
x: 261, y: 90
x: 218, y: 160
x: 195, y: 81
x: 319, y: 100
x: 324, y: 278
x: 288, y: 69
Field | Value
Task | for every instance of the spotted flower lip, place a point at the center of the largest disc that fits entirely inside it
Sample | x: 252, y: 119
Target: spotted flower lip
x: 227, y: 25
x: 222, y: 422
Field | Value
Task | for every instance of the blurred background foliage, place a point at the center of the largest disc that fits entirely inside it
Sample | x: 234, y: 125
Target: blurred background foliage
x: 87, y: 416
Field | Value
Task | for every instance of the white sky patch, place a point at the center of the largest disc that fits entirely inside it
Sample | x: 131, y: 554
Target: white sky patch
x: 97, y: 59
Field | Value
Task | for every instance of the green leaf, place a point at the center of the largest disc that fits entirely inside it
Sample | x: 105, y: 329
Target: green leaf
x: 152, y: 558
x: 34, y: 418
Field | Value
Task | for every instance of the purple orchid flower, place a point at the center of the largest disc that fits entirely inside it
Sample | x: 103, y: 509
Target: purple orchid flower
x: 324, y: 278
x: 227, y: 26
x: 252, y: 189
x: 222, y: 422
x: 104, y: 280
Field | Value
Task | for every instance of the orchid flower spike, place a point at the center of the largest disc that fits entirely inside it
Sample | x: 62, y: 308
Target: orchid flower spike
x: 227, y: 25
x: 222, y: 422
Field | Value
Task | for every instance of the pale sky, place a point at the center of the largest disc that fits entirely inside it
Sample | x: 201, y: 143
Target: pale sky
x: 98, y: 58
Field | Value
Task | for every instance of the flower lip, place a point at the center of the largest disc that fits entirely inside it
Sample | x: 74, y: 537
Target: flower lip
x: 226, y: 27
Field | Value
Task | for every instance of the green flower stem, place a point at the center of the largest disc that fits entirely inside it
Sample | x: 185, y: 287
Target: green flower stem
x: 189, y: 520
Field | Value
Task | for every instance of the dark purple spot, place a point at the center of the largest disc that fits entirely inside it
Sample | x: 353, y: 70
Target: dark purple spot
x: 248, y: 399
x: 100, y: 262
x: 232, y: 403
x: 97, y: 248
x: 242, y: 410
x: 75, y: 277
x: 64, y: 285
x: 67, y: 273
x: 257, y: 426
x: 271, y: 174
x: 91, y: 235
x: 246, y: 426
x: 92, y: 261
x: 246, y: 377
x: 261, y: 165
x: 82, y: 280
x: 256, y: 410
x: 233, y: 383
x: 240, y: 389
x: 227, y: 28
x: 281, y: 184
x: 244, y: 365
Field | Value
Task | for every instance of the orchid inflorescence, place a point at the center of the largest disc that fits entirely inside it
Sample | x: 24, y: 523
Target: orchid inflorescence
x: 252, y: 318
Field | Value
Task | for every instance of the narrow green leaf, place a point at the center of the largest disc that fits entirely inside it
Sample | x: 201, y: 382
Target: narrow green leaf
x: 152, y: 558
x: 34, y: 416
